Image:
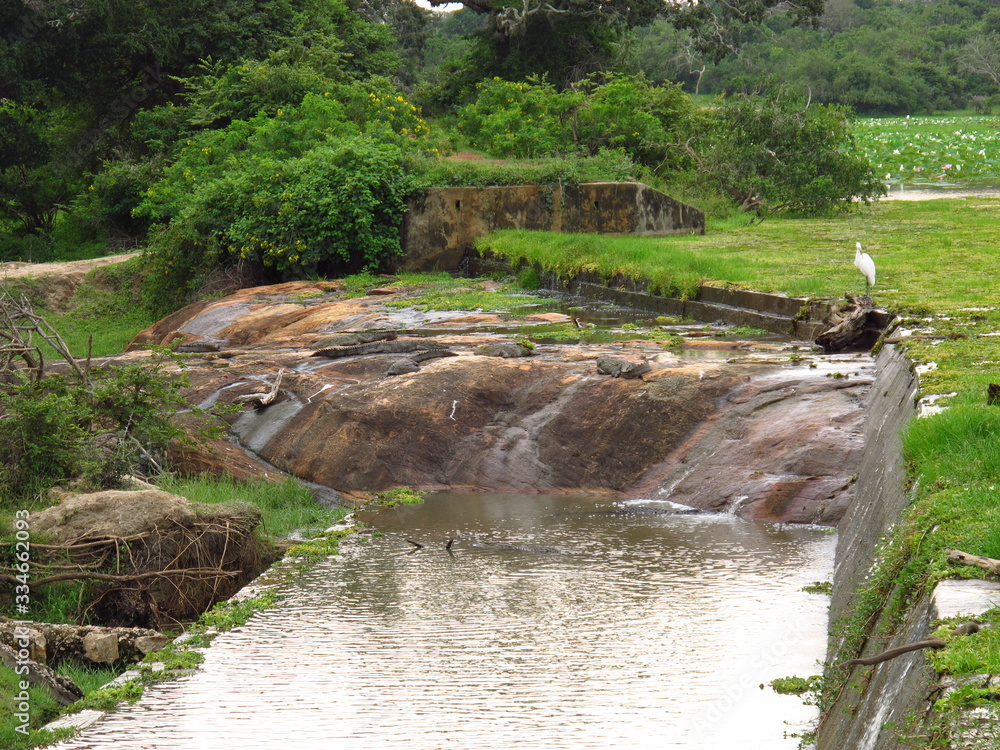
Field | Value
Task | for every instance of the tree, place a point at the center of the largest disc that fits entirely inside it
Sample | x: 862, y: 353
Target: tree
x: 29, y: 193
x: 410, y: 26
x: 982, y: 55
x: 564, y: 40
x: 720, y: 27
x: 779, y: 152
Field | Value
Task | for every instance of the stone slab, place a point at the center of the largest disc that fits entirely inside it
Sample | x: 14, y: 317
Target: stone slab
x: 965, y: 597
x: 80, y: 720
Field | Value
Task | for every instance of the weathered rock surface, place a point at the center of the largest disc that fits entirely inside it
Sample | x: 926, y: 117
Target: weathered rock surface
x: 776, y: 442
x: 783, y: 448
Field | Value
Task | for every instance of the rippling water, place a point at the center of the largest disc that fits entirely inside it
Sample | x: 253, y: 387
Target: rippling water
x: 626, y: 630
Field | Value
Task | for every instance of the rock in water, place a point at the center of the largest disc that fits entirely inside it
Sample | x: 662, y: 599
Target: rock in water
x: 621, y: 368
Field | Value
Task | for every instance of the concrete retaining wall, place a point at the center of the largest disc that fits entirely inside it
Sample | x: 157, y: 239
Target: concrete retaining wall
x: 769, y: 312
x: 879, y: 704
x: 442, y: 223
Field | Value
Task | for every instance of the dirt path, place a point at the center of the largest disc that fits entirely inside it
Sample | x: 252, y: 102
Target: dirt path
x: 18, y: 270
x: 60, y: 280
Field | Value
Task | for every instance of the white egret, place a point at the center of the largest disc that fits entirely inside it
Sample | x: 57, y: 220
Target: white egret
x: 866, y: 265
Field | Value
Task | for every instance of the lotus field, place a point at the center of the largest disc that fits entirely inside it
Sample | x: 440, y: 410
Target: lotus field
x: 931, y: 150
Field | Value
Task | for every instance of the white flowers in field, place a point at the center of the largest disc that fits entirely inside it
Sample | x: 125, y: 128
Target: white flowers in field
x: 931, y: 148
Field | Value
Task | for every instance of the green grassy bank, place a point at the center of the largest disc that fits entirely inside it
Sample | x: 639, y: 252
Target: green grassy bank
x: 936, y: 264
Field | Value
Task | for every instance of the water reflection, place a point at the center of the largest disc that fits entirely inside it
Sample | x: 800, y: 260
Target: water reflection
x: 645, y: 631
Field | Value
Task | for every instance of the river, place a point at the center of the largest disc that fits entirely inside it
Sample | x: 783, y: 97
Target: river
x: 553, y: 622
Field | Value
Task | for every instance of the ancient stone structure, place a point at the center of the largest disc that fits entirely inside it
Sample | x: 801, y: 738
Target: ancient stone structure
x: 443, y: 223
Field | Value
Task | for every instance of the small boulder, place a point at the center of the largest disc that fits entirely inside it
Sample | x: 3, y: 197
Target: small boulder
x: 100, y: 648
x: 616, y: 367
x: 147, y: 644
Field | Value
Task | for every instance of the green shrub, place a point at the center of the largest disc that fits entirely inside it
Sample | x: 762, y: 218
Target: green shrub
x: 58, y: 428
x: 318, y: 187
x: 529, y: 119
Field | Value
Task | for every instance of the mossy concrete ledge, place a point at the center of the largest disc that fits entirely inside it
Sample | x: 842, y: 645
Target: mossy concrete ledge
x: 443, y: 222
x: 877, y: 703
x: 802, y: 319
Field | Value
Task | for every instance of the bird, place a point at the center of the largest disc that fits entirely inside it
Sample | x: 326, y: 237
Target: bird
x: 580, y: 324
x: 866, y: 265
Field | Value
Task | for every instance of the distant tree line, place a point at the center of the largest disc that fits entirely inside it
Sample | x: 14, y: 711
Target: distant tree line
x: 875, y: 56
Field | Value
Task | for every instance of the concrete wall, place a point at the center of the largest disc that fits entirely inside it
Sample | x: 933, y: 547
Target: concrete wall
x: 895, y: 688
x: 443, y: 223
x: 770, y: 312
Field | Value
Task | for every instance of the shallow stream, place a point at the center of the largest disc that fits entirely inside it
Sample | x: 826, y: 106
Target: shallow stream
x: 552, y: 622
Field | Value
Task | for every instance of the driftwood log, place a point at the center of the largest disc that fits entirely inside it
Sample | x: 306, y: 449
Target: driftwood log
x: 403, y: 346
x: 356, y: 337
x: 847, y: 324
x: 964, y: 558
x: 265, y: 398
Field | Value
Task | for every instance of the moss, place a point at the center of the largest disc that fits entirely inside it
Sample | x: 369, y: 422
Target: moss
x: 399, y: 496
x: 107, y: 698
x: 795, y: 685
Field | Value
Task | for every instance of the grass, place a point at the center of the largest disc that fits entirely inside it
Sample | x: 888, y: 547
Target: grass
x: 107, y: 311
x: 42, y: 708
x: 287, y: 506
x: 445, y: 292
x: 976, y: 653
x: 931, y: 256
x: 103, y: 317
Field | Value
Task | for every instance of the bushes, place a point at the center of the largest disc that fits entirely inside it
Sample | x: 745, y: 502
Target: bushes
x: 58, y: 429
x: 317, y: 187
x: 532, y: 118
x: 90, y: 424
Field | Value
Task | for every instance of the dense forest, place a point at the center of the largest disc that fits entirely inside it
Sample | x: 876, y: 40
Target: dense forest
x: 283, y: 138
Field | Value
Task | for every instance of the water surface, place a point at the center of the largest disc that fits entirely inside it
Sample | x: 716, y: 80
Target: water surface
x: 579, y: 623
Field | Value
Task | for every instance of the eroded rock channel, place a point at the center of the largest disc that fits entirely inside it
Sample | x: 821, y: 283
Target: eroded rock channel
x: 764, y: 430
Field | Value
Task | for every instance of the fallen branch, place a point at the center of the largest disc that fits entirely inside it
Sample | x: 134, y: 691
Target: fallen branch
x: 964, y: 558
x: 260, y: 400
x: 892, y: 653
x: 847, y: 325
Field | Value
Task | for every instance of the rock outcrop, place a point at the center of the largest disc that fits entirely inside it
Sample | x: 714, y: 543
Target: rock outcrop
x: 775, y: 444
x: 52, y: 644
